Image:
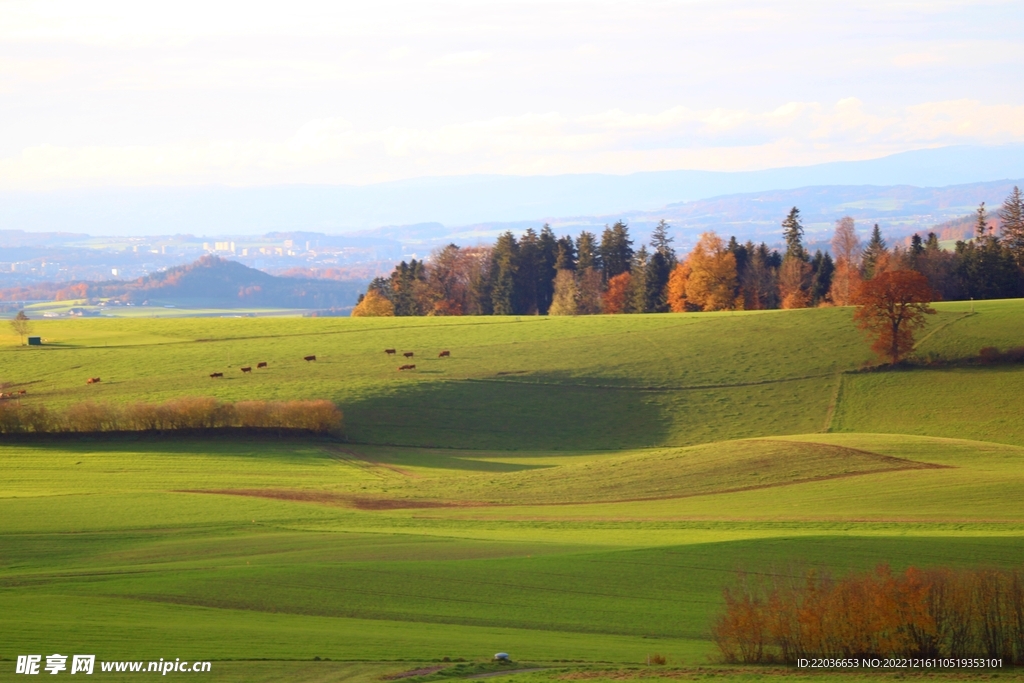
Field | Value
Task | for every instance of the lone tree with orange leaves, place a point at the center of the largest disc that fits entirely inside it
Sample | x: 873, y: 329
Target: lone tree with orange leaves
x: 892, y: 307
x: 616, y: 298
x: 712, y: 283
x: 373, y: 305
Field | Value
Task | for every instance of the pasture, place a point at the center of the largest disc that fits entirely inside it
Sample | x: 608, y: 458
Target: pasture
x: 576, y: 492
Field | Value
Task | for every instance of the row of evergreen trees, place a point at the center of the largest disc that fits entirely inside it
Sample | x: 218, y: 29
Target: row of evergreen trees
x: 540, y: 273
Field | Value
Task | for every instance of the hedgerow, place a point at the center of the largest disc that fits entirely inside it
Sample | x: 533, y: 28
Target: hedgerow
x: 189, y: 413
x: 919, y: 613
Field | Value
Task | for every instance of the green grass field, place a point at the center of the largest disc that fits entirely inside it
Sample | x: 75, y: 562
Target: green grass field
x: 576, y: 492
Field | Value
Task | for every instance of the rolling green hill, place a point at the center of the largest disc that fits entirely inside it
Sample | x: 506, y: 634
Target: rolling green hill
x: 562, y: 489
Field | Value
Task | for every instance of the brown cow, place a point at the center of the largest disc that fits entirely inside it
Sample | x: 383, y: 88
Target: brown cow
x: 390, y: 352
x: 214, y: 375
x: 248, y: 369
x: 21, y: 392
x: 93, y: 380
x: 445, y: 354
x: 260, y: 365
x: 407, y: 367
x: 408, y: 354
x: 309, y: 358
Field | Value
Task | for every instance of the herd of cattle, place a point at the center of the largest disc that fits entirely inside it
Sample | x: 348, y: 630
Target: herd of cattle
x: 391, y: 352
x: 410, y: 354
x: 13, y: 394
x: 262, y: 364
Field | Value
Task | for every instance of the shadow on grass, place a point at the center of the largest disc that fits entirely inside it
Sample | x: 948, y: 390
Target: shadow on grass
x: 542, y: 415
x: 441, y: 459
x: 293, y: 447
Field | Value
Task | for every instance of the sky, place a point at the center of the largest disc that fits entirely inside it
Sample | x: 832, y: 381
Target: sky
x: 111, y: 93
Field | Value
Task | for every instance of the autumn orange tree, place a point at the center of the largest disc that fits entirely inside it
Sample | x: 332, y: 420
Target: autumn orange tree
x: 616, y: 298
x: 892, y: 307
x: 373, y: 305
x: 675, y: 290
x: 712, y: 282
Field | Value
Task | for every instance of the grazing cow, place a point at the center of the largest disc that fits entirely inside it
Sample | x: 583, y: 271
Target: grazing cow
x: 21, y: 392
x: 445, y: 354
x: 93, y: 380
x: 260, y: 365
x: 408, y: 354
x: 248, y: 369
x: 309, y: 358
x: 390, y: 352
x: 214, y: 375
x: 407, y: 367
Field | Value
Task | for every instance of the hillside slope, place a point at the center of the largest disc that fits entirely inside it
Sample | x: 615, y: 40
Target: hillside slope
x: 534, y: 383
x: 216, y: 282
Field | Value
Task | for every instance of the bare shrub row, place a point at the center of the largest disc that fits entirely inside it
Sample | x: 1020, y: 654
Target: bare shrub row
x: 919, y: 613
x: 189, y: 413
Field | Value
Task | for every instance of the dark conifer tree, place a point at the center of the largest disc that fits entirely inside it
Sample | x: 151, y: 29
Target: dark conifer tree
x: 742, y: 253
x: 503, y: 274
x: 616, y: 250
x: 982, y: 230
x: 404, y: 283
x: 875, y: 250
x: 916, y: 251
x: 822, y: 269
x: 566, y: 254
x: 793, y: 233
x: 940, y: 267
x: 1012, y: 217
x: 656, y: 282
x: 987, y: 270
x: 639, y: 285
x: 587, y: 254
x: 760, y: 282
x: 382, y: 285
x: 527, y: 273
x: 661, y: 243
x: 981, y: 271
x: 547, y: 256
x: 916, y: 245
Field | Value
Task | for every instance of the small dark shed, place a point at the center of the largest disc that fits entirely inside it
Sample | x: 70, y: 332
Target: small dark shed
x: 35, y: 341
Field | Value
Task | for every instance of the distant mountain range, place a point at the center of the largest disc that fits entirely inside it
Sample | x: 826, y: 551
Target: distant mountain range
x: 467, y: 200
x: 900, y: 211
x: 210, y: 282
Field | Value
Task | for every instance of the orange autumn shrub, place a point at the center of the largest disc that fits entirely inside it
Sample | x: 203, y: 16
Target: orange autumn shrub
x: 919, y: 613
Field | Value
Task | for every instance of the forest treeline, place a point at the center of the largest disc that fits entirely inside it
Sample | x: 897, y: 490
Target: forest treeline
x: 540, y: 273
x: 187, y: 413
x: 920, y: 613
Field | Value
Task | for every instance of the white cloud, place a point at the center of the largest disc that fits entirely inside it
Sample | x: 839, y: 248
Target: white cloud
x: 614, y: 141
x: 470, y: 58
x: 122, y: 92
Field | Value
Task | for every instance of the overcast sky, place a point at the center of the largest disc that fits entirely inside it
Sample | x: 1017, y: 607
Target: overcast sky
x: 114, y: 93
